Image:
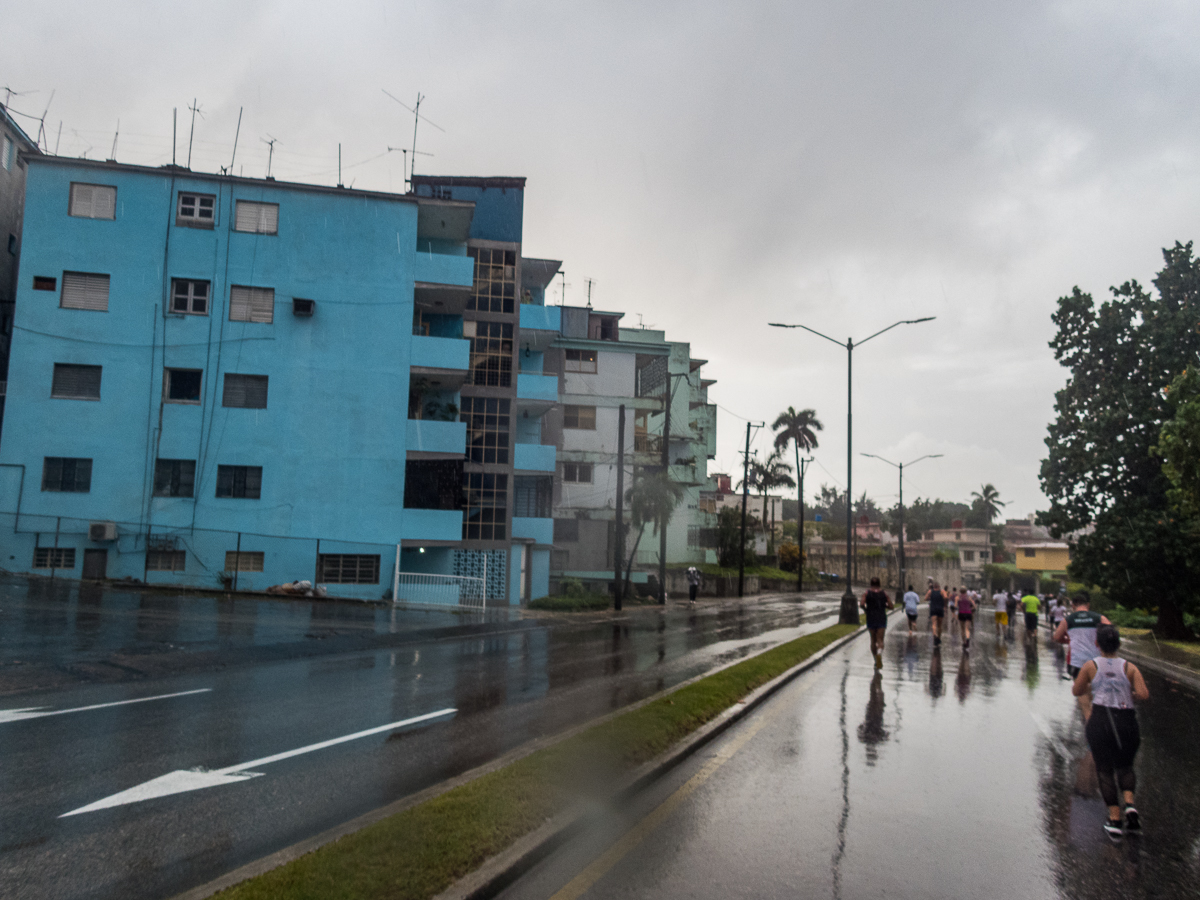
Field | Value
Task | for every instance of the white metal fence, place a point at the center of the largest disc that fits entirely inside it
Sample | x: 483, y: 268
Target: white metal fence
x: 439, y: 590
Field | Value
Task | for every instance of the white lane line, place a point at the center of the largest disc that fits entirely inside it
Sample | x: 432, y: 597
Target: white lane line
x: 38, y: 712
x: 182, y: 780
x: 1044, y: 728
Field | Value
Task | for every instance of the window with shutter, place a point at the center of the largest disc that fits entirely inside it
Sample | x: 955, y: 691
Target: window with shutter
x: 245, y: 391
x: 246, y: 561
x: 256, y: 218
x: 6, y: 155
x: 93, y: 201
x: 84, y: 290
x: 67, y: 474
x: 251, y: 304
x: 241, y: 482
x: 174, y: 477
x: 75, y: 382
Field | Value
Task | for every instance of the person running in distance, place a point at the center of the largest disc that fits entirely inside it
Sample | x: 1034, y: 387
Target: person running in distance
x: 937, y: 611
x: 1078, y: 631
x: 1032, y: 606
x: 1000, y: 599
x: 876, y: 602
x: 966, y: 615
x: 693, y: 580
x: 911, y: 601
x: 1011, y: 600
x: 1113, y: 734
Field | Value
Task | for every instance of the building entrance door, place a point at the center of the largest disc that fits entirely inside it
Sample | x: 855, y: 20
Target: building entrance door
x: 95, y: 564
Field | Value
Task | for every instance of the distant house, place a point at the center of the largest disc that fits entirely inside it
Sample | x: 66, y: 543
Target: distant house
x: 1045, y: 557
x: 973, y: 545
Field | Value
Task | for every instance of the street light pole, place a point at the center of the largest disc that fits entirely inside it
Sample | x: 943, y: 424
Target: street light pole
x: 849, y: 611
x: 903, y: 566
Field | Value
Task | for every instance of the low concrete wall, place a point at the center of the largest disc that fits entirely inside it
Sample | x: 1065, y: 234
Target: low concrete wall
x: 711, y: 585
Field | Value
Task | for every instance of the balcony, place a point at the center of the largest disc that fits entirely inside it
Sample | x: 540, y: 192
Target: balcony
x: 431, y: 439
x: 536, y: 394
x: 540, y: 531
x: 647, y: 443
x: 534, y: 457
x: 439, y: 268
x: 441, y: 362
x: 431, y: 526
x: 539, y: 325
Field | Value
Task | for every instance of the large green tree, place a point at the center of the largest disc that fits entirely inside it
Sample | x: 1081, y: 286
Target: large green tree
x: 1101, y: 470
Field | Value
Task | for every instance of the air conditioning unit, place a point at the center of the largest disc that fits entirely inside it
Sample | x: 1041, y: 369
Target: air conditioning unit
x: 102, y: 531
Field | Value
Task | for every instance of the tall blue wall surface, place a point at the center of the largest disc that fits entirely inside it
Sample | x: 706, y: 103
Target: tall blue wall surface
x: 332, y: 438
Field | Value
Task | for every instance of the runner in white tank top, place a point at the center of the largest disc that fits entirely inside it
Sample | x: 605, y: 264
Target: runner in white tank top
x: 1110, y: 684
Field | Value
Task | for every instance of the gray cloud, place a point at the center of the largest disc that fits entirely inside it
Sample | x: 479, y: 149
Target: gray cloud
x: 716, y: 168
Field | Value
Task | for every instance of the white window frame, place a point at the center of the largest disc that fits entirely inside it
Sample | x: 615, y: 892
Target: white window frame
x: 256, y: 217
x: 168, y: 372
x: 84, y: 290
x: 573, y: 469
x: 92, y: 201
x: 244, y: 560
x: 251, y: 304
x: 6, y: 153
x: 196, y: 220
x: 189, y: 296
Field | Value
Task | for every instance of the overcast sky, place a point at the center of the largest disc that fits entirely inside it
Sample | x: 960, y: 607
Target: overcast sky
x: 718, y: 166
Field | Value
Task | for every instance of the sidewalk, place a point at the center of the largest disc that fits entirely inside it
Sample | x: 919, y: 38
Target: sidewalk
x: 1163, y: 657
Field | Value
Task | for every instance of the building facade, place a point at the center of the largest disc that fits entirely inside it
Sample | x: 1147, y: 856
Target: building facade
x: 241, y: 382
x: 13, y: 144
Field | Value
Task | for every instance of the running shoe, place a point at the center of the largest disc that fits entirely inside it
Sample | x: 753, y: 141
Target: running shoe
x: 1112, y: 827
x: 1133, y: 823
x: 967, y: 644
x: 937, y: 642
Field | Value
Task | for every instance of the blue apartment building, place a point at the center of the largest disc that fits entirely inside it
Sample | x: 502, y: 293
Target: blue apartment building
x: 229, y: 382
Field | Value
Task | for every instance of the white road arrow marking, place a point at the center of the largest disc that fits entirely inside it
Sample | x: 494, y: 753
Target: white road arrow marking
x: 38, y: 712
x: 183, y: 780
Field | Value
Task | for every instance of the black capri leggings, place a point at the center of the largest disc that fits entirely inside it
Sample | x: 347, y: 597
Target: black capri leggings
x: 1114, y: 737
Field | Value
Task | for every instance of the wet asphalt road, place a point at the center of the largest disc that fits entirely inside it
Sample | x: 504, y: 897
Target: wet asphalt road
x: 271, y: 676
x: 944, y: 775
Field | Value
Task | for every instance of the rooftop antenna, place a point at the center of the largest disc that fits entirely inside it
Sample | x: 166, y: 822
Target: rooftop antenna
x: 41, y: 135
x: 195, y: 108
x: 339, y: 181
x: 563, y: 273
x: 9, y: 93
x: 417, y: 117
x: 235, y: 139
x: 112, y: 156
x: 590, y: 282
x: 59, y: 138
x: 174, y: 132
x: 270, y: 150
x: 406, y: 151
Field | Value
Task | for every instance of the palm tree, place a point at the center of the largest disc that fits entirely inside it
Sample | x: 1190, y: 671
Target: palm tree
x: 987, y: 499
x: 652, y: 498
x: 798, y: 428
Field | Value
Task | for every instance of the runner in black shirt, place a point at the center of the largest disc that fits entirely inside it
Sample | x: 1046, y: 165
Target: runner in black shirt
x: 937, y: 611
x: 876, y: 603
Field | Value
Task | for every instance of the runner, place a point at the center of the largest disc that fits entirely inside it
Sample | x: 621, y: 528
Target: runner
x: 1078, y: 632
x: 1000, y: 599
x: 693, y: 580
x: 876, y: 602
x: 1113, y: 735
x: 966, y: 614
x: 1032, y: 606
x: 1011, y: 604
x: 911, y: 601
x: 937, y: 611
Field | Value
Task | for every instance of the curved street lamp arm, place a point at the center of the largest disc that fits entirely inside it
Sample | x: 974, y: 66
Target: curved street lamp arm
x: 926, y: 456
x: 890, y: 327
x: 881, y: 459
x: 814, y: 331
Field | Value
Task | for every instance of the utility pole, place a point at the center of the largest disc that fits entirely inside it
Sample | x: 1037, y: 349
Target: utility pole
x: 745, y: 500
x: 801, y: 464
x: 619, y: 543
x: 662, y: 525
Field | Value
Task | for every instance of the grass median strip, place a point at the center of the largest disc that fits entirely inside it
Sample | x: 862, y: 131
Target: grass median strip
x: 421, y: 851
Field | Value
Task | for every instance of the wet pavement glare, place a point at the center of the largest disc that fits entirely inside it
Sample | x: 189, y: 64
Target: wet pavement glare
x: 942, y: 775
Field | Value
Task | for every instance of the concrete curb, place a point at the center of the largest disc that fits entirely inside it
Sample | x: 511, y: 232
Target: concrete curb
x: 527, y: 851
x: 1182, y: 674
x: 503, y: 869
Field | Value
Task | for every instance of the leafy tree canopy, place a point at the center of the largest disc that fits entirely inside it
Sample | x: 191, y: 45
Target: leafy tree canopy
x: 1121, y: 355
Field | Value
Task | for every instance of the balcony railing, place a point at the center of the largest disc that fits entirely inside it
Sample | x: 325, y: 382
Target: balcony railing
x: 647, y: 443
x: 420, y: 589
